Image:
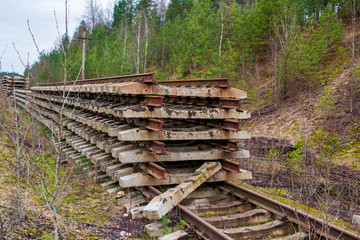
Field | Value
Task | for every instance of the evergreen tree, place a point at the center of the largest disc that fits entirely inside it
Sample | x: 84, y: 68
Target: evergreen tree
x: 315, y: 44
x: 196, y: 38
x: 124, y: 12
x: 178, y: 8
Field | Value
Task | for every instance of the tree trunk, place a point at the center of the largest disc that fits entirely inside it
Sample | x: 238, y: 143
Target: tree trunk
x: 146, y: 41
x: 317, y: 10
x: 83, y: 52
x: 124, y: 50
x: 138, y: 48
x: 162, y: 54
x: 222, y: 30
x: 18, y: 162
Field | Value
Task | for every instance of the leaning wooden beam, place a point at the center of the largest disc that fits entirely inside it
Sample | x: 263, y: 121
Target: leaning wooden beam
x: 163, y: 203
x: 142, y: 179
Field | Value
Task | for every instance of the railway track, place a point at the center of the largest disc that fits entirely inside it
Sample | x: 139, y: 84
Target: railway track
x: 180, y: 135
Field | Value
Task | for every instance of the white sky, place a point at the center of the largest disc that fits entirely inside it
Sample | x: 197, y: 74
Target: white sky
x: 40, y: 13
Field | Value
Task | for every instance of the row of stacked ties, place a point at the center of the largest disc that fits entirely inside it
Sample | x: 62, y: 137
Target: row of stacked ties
x: 8, y: 84
x: 143, y: 132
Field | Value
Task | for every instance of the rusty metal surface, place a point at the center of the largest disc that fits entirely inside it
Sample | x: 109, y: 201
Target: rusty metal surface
x: 307, y: 221
x: 230, y: 165
x: 153, y: 101
x: 154, y: 125
x: 156, y: 170
x: 231, y: 125
x: 142, y: 78
x: 230, y: 103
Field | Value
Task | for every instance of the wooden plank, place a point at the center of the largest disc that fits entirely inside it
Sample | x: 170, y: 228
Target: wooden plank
x: 139, y: 156
x: 163, y: 203
x: 136, y: 134
x: 141, y: 179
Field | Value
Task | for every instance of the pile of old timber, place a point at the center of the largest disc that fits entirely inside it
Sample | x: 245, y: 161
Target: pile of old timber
x: 141, y: 132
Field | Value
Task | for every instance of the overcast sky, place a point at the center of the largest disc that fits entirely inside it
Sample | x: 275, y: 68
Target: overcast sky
x: 40, y: 13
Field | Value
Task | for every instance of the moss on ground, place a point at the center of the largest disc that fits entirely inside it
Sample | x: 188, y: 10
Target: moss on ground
x: 296, y: 205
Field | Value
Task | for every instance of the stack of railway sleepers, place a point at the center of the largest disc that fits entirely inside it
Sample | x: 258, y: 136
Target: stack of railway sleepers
x: 9, y: 83
x: 141, y: 132
x: 146, y: 133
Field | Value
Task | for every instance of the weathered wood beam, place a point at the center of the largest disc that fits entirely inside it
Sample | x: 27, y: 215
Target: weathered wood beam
x: 163, y: 203
x: 138, y: 155
x: 142, y: 179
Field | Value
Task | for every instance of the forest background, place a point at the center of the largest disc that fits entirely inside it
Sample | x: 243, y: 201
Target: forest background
x: 279, y: 51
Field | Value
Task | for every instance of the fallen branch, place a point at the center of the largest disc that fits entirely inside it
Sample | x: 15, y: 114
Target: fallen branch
x: 7, y: 207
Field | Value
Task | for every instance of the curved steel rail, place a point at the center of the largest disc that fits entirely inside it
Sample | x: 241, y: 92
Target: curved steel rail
x: 305, y: 220
x: 142, y: 78
x: 147, y: 78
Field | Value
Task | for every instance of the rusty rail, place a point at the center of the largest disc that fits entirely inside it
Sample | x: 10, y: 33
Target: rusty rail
x: 214, y: 82
x: 305, y: 220
x: 142, y: 78
x: 147, y: 78
x: 204, y: 229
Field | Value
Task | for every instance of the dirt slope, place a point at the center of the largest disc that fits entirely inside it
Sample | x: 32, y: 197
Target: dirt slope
x: 297, y: 116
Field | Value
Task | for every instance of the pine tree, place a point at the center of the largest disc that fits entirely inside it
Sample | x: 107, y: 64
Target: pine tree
x: 124, y: 12
x: 178, y: 8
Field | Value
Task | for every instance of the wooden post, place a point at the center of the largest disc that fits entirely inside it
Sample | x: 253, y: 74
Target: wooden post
x: 83, y: 38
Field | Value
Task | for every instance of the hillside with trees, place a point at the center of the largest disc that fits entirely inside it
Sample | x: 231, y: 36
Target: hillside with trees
x: 280, y: 52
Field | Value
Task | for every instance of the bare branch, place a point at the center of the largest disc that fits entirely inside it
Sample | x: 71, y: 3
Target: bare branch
x: 2, y: 55
x: 38, y: 50
x: 18, y: 55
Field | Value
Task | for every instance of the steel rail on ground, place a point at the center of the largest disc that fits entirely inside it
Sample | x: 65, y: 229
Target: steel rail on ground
x: 147, y: 78
x: 142, y: 78
x: 305, y: 220
x: 206, y: 230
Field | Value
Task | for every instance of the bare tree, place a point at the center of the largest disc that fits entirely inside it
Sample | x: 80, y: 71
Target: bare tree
x: 108, y: 13
x: 14, y: 153
x: 53, y: 188
x: 162, y: 10
x: 94, y: 14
